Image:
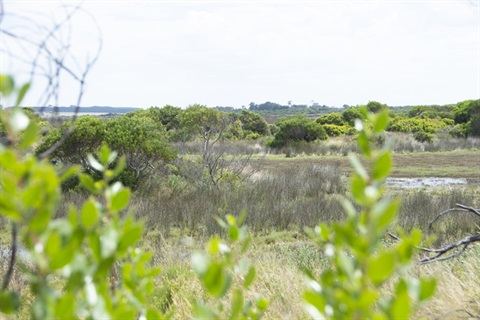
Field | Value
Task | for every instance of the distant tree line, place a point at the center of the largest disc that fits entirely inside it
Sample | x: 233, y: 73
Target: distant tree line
x: 145, y: 137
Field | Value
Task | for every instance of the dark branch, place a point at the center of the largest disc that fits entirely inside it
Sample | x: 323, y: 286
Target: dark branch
x: 453, y: 249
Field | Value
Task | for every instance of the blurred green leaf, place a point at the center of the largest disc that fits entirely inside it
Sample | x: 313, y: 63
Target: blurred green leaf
x: 7, y: 84
x: 9, y: 302
x: 90, y: 213
x: 203, y: 312
x: 120, y: 199
x: 380, y: 121
x: 237, y: 304
x: 94, y: 163
x: 216, y: 280
x: 233, y: 233
x: 358, y: 166
x: 30, y: 135
x: 382, y: 166
x: 21, y: 93
x: 400, y: 308
x: 249, y: 277
x: 381, y: 267
x: 363, y: 143
x: 87, y: 182
x: 384, y: 211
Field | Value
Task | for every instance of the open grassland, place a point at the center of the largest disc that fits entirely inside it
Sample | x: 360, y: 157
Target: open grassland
x: 280, y: 257
x: 286, y: 196
x: 453, y: 164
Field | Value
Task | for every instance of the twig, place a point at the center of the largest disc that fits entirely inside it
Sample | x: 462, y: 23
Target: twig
x: 11, y: 264
x: 459, y: 246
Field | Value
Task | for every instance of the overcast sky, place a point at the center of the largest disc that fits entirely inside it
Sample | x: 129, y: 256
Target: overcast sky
x: 230, y: 53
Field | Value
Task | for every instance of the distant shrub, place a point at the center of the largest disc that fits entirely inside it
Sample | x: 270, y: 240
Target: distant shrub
x: 411, y: 125
x: 422, y: 136
x: 335, y: 131
x: 335, y: 118
x: 296, y: 130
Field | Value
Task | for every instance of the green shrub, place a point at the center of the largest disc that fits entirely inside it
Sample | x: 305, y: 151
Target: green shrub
x: 422, y: 136
x: 296, y: 130
x: 350, y: 288
x: 333, y: 130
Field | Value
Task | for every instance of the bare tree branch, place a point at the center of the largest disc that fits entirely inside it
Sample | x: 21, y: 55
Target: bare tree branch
x: 453, y: 249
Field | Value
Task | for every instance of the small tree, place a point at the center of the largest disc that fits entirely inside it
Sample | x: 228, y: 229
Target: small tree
x: 296, y: 130
x: 141, y: 141
x: 87, y: 136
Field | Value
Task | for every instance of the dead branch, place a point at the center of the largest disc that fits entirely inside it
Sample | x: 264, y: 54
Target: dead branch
x: 452, y: 250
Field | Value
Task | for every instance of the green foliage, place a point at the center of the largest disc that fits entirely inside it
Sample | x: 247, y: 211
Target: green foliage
x: 296, y: 130
x: 253, y: 123
x: 141, y: 141
x: 359, y: 265
x: 334, y: 118
x: 468, y: 113
x: 86, y: 137
x: 376, y: 107
x: 350, y: 114
x: 333, y: 130
x: 411, y: 125
x: 422, y: 136
x: 84, y: 266
x: 223, y: 270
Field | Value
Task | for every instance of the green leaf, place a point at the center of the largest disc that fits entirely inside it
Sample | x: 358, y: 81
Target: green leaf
x: 120, y: 199
x: 130, y: 237
x: 400, y: 308
x: 62, y: 257
x: 246, y: 243
x: 70, y: 172
x: 427, y: 288
x: 40, y: 220
x: 201, y: 311
x: 87, y: 182
x: 382, y: 166
x: 381, y: 267
x: 315, y: 304
x: 94, y: 163
x: 65, y: 306
x: 29, y: 136
x: 364, y: 143
x: 53, y: 244
x: 233, y: 233
x: 380, y: 121
x: 237, y: 304
x: 21, y: 93
x: 9, y: 302
x: 216, y: 280
x: 358, y: 166
x: 249, y: 277
x: 358, y: 186
x: 262, y: 303
x: 153, y: 314
x: 7, y: 84
x: 384, y: 211
x: 90, y: 213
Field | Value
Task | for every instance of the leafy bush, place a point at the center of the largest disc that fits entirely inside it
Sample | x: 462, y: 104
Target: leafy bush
x: 334, y: 130
x: 335, y: 118
x: 422, y: 136
x: 359, y: 265
x: 82, y: 266
x: 297, y: 129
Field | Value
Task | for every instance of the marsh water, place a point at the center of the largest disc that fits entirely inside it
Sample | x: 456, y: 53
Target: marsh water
x: 410, y: 183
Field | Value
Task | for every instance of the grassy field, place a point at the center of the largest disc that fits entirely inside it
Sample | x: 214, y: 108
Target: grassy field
x: 452, y: 164
x: 287, y: 195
